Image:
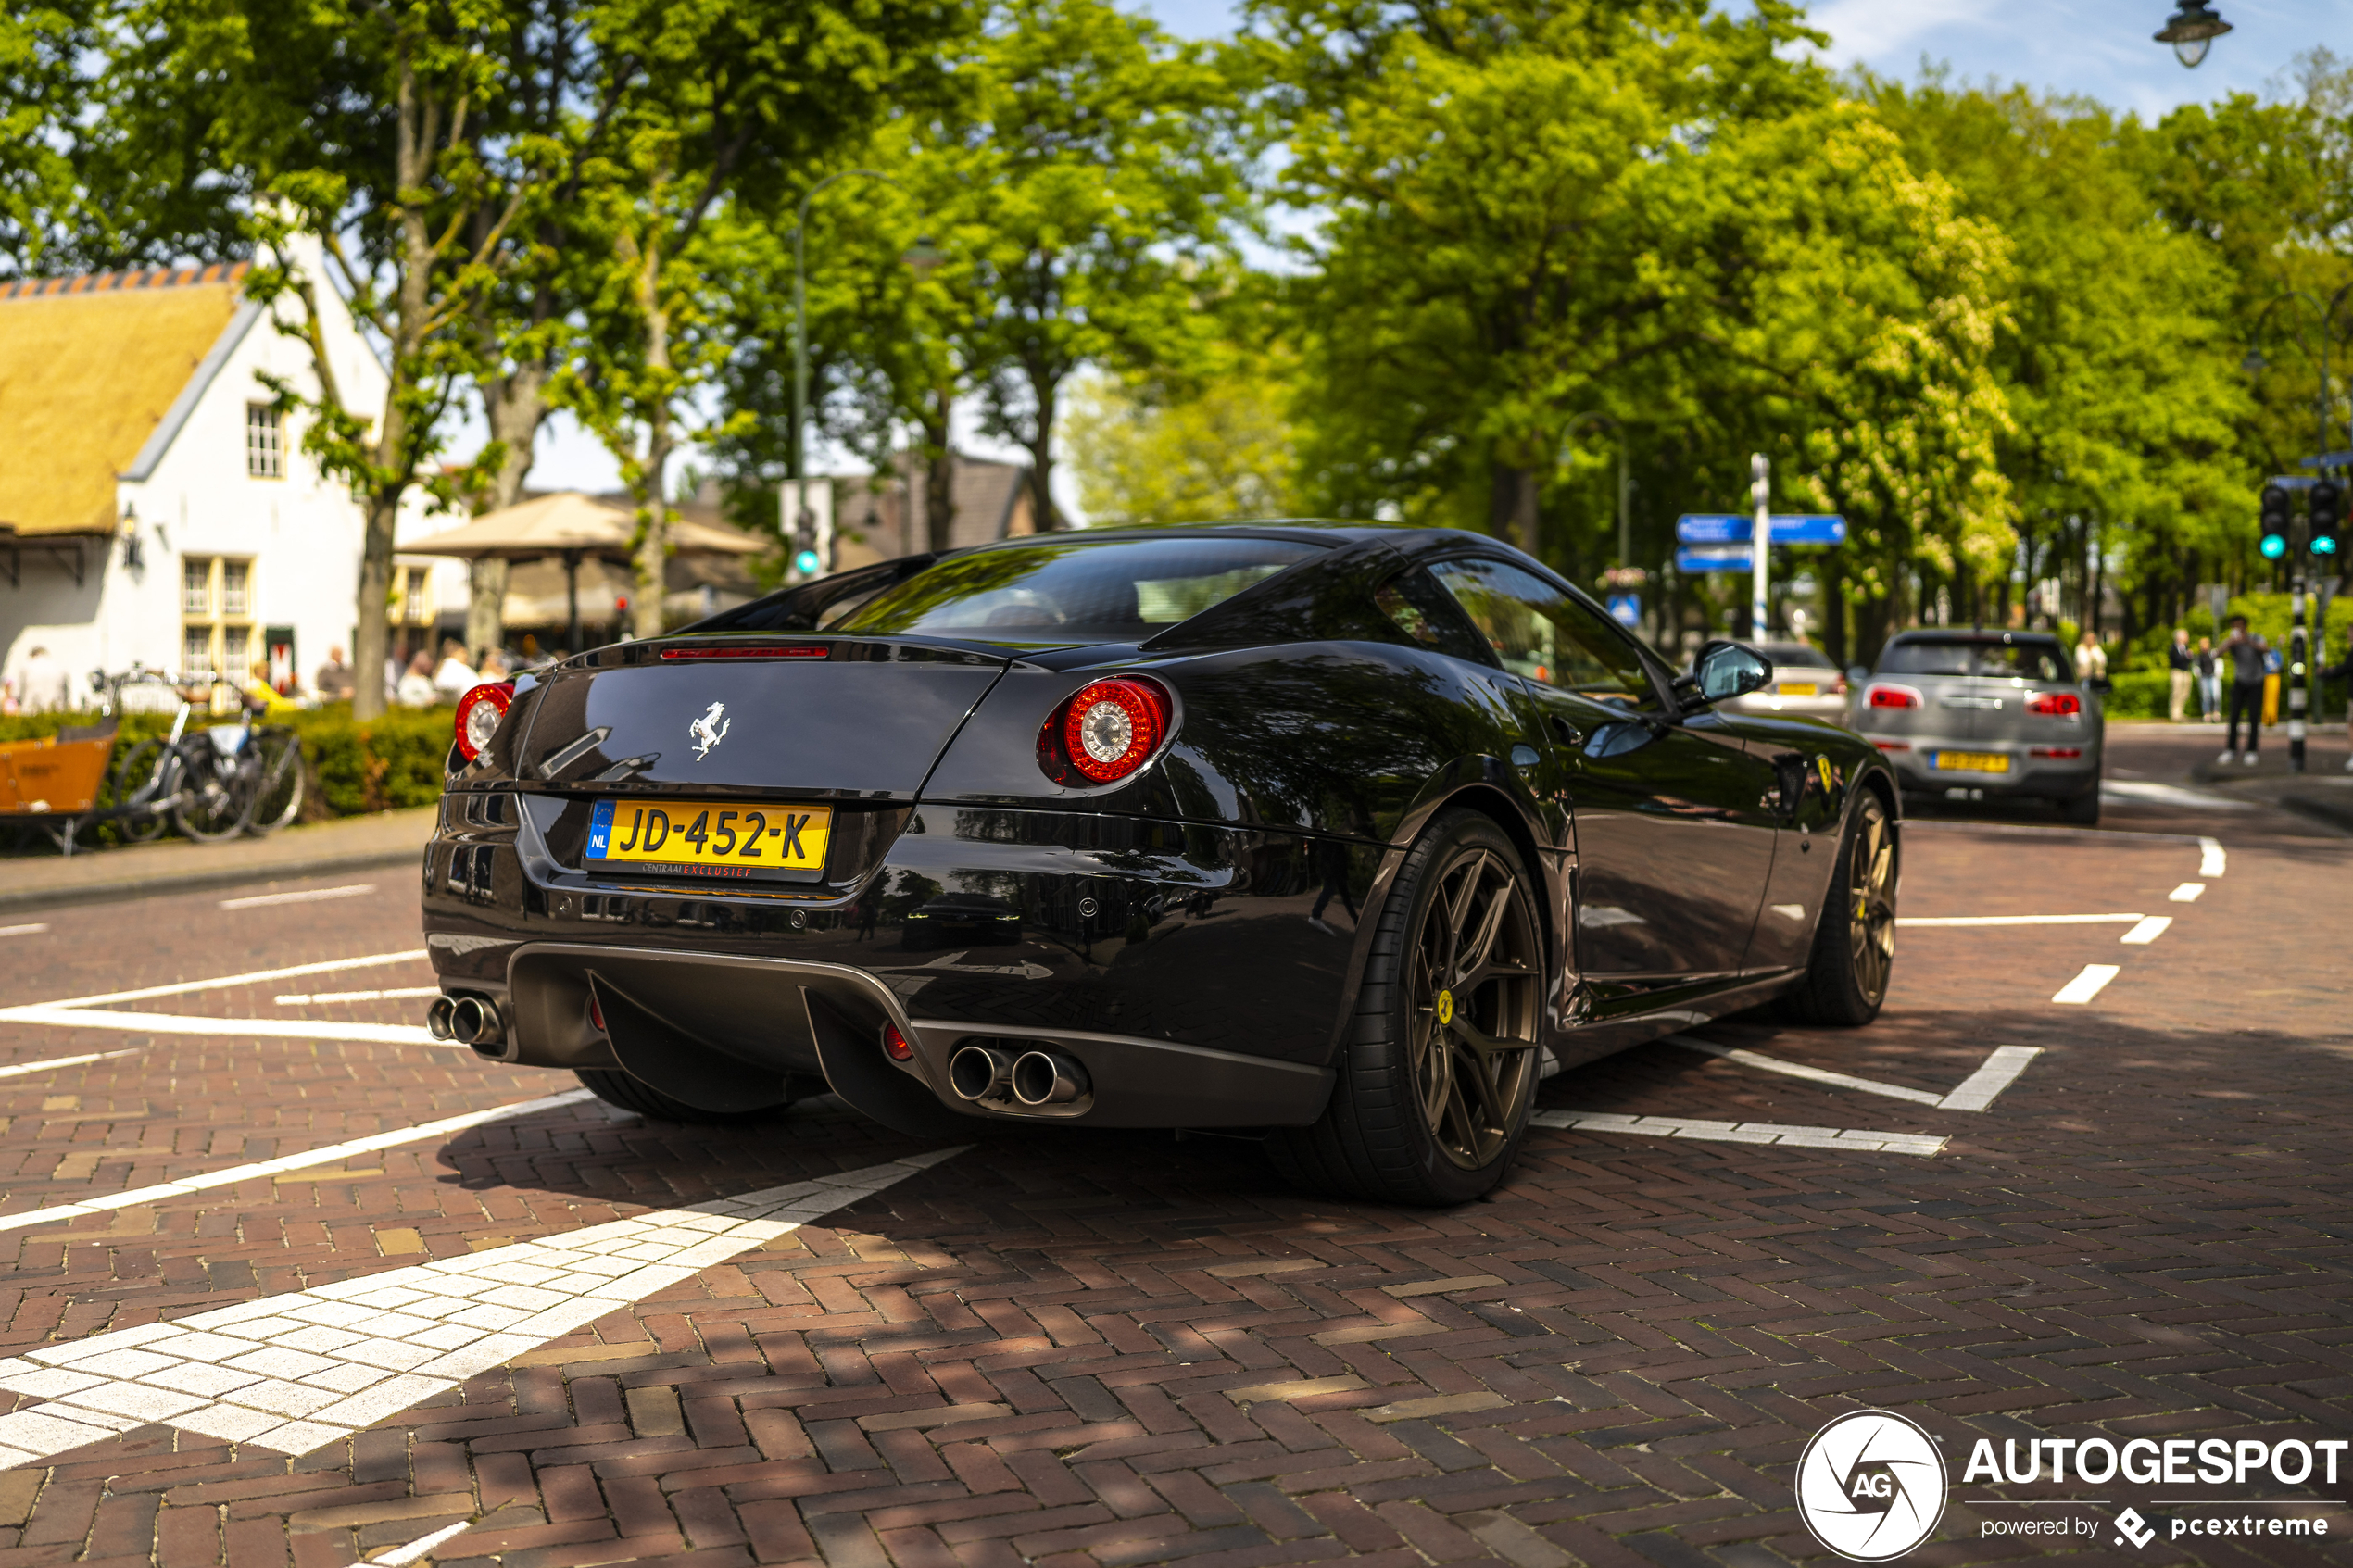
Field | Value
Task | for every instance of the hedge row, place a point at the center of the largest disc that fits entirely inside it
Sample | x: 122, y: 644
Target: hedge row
x: 355, y: 766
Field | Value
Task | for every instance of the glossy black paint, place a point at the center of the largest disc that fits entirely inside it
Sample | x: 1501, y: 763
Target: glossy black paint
x: 1222, y: 901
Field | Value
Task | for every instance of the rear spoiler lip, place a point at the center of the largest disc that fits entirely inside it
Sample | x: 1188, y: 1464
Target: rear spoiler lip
x: 653, y: 649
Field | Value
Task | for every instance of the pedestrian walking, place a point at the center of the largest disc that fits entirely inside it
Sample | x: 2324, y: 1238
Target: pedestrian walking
x: 2243, y: 651
x: 2181, y: 668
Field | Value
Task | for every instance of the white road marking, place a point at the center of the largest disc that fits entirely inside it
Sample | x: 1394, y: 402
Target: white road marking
x: 326, y: 1155
x: 56, y: 1061
x: 1714, y: 1132
x: 2187, y: 893
x: 298, y: 1371
x: 180, y: 1024
x: 400, y: 1557
x: 1799, y: 1069
x: 2168, y: 795
x: 2086, y: 985
x: 2019, y: 920
x: 404, y: 993
x: 2148, y: 931
x: 311, y: 897
x: 2000, y: 1071
x: 185, y: 987
x: 32, y: 930
x: 2210, y: 857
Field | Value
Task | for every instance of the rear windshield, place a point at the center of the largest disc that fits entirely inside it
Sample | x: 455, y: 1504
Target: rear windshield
x: 1075, y: 590
x: 1974, y: 655
x: 1796, y: 655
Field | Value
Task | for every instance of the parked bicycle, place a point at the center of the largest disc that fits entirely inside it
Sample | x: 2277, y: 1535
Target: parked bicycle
x: 212, y: 785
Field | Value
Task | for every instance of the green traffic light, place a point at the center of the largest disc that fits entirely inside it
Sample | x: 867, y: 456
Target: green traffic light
x: 2325, y: 547
x: 806, y: 563
x: 2273, y: 547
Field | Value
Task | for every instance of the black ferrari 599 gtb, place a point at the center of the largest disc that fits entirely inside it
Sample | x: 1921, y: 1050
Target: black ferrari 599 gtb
x: 1345, y: 835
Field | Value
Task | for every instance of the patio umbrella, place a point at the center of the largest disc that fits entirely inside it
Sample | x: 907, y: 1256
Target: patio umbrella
x: 572, y: 527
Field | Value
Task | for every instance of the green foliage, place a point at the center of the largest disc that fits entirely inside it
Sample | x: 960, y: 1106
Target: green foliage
x: 1220, y: 448
x: 355, y: 765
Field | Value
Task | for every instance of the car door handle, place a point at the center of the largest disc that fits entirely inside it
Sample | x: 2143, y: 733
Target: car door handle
x: 1569, y: 733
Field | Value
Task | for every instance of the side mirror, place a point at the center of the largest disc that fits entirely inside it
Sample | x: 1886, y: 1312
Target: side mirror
x: 1721, y: 672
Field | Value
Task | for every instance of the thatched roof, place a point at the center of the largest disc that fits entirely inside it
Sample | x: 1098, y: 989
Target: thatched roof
x: 91, y: 369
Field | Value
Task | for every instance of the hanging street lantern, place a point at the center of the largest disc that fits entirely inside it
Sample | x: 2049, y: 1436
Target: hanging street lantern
x: 2190, y: 30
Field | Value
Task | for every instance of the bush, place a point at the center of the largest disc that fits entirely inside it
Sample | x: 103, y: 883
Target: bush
x: 355, y: 767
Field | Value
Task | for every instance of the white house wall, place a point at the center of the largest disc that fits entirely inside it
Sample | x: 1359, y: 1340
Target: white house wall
x: 302, y: 532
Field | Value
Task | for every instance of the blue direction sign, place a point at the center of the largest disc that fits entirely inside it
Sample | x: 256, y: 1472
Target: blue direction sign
x: 1791, y: 528
x: 1692, y: 559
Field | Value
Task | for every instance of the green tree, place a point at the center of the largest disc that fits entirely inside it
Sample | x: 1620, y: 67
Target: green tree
x: 1219, y: 448
x: 729, y: 109
x: 1504, y: 246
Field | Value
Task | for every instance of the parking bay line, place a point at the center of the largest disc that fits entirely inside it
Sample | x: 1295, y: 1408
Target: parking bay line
x: 298, y: 1371
x: 2187, y: 893
x: 313, y: 998
x: 54, y: 1062
x: 181, y: 1024
x: 309, y: 896
x: 2211, y: 860
x: 183, y: 987
x: 1977, y: 1091
x: 2089, y: 984
x: 1849, y: 1139
x: 325, y: 1156
x: 2148, y: 931
x: 1967, y: 920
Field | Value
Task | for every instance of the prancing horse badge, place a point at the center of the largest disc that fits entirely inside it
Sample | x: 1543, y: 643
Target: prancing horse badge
x: 711, y: 729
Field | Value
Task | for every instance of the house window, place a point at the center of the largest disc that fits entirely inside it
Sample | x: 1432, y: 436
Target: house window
x: 216, y: 606
x: 265, y: 442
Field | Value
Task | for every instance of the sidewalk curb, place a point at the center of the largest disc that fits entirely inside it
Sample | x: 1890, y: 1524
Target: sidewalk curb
x: 120, y: 888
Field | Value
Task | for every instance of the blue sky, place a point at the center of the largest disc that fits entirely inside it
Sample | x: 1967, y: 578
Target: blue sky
x: 2097, y: 48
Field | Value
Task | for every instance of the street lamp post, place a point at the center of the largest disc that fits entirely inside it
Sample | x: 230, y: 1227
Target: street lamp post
x: 1625, y: 529
x: 2299, y: 659
x: 922, y: 257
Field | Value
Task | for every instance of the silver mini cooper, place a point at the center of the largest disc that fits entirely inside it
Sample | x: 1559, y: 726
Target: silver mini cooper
x: 1985, y: 715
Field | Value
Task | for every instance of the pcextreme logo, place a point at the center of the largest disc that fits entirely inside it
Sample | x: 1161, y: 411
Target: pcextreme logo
x: 1870, y: 1486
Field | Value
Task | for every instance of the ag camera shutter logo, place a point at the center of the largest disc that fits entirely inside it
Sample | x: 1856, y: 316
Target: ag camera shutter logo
x: 1870, y: 1486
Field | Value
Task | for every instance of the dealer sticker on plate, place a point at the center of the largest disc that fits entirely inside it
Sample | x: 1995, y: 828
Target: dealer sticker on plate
x: 709, y: 839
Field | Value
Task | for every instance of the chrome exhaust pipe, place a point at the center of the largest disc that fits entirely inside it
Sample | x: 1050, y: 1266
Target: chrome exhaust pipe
x: 437, y: 1018
x: 1044, y: 1078
x: 979, y: 1072
x: 475, y: 1021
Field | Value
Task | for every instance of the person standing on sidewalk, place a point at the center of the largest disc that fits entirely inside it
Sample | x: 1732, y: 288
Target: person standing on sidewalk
x: 2244, y: 651
x: 2178, y: 671
x: 2091, y: 662
x: 2209, y: 682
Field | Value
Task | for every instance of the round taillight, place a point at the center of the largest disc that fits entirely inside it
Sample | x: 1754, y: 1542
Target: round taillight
x: 1109, y: 729
x: 478, y: 714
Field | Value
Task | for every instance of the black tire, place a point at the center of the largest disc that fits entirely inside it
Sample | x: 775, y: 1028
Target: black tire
x: 1854, y: 937
x: 215, y: 810
x: 277, y: 793
x: 2082, y: 810
x: 625, y: 1093
x: 148, y: 772
x: 1439, y: 1075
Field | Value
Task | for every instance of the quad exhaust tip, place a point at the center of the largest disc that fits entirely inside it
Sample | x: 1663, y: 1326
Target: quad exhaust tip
x: 476, y: 1021
x: 1035, y: 1079
x: 437, y: 1018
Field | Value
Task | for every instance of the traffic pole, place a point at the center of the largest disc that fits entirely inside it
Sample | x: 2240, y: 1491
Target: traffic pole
x: 1760, y: 547
x: 2297, y: 642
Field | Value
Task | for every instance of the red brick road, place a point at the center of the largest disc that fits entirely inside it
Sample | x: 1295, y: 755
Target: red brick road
x: 1116, y: 1350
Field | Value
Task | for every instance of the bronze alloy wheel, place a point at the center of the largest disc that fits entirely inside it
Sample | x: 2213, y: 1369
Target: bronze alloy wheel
x: 1475, y: 996
x: 1870, y: 892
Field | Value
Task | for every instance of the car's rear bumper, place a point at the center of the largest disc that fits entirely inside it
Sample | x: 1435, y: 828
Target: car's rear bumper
x: 1196, y: 974
x: 2033, y: 772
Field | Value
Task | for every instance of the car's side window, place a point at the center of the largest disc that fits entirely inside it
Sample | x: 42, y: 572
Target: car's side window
x: 1542, y: 633
x: 1415, y: 602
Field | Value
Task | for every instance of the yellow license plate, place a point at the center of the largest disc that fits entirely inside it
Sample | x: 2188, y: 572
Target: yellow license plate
x: 1973, y: 763
x: 701, y: 839
x: 1800, y: 689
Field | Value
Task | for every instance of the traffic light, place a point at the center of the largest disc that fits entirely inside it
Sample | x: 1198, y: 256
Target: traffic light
x: 2324, y: 507
x: 2276, y: 521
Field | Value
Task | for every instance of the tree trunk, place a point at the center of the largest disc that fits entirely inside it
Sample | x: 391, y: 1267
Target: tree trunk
x: 371, y: 640
x: 1833, y: 579
x: 939, y: 473
x: 1511, y: 506
x: 1043, y: 518
x: 514, y: 406
x: 653, y: 498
